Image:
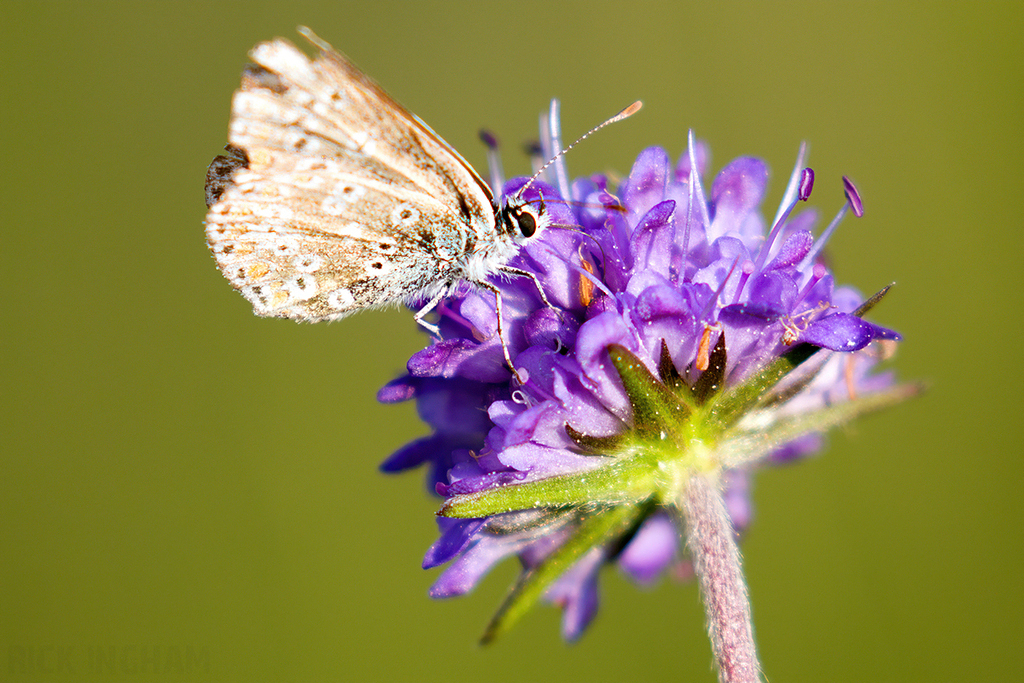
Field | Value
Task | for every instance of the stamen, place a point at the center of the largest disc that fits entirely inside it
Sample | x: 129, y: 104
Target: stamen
x: 706, y: 313
x: 766, y: 247
x: 555, y: 129
x: 493, y: 161
x: 746, y: 270
x: 818, y: 271
x: 545, y: 137
x: 535, y: 151
x: 586, y: 285
x: 851, y: 381
x: 703, y: 359
x: 678, y: 271
x: 853, y: 196
x: 795, y: 180
x: 806, y: 183
x: 853, y: 202
x: 695, y: 182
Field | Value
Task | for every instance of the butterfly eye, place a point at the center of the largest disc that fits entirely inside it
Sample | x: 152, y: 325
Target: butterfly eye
x: 527, y: 222
x: 523, y: 219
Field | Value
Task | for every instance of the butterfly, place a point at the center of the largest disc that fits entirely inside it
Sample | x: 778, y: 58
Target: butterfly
x: 333, y: 198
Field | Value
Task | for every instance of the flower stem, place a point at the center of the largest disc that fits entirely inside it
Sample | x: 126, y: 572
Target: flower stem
x: 716, y: 561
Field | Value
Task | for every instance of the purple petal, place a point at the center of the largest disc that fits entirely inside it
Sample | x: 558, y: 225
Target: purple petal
x: 598, y: 374
x: 472, y: 566
x: 549, y: 329
x: 416, y: 453
x: 576, y: 592
x: 455, y: 534
x: 525, y: 424
x: 844, y: 332
x: 800, y: 448
x: 651, y: 550
x: 653, y: 240
x: 646, y: 183
x: 441, y: 359
x: 737, y: 192
x: 397, y: 390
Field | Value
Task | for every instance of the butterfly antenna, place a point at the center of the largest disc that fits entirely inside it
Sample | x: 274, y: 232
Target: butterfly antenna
x: 624, y: 114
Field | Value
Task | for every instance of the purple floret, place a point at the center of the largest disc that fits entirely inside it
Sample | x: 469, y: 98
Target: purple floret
x: 659, y: 263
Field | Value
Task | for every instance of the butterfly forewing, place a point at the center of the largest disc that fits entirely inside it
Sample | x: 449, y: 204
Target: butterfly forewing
x: 333, y: 197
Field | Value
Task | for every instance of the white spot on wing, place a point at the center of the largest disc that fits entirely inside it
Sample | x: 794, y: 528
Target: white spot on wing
x: 308, y: 263
x: 404, y: 215
x: 353, y: 230
x: 285, y: 246
x: 341, y: 299
x: 301, y: 287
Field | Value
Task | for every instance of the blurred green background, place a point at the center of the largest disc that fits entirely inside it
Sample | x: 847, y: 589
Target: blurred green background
x: 191, y: 492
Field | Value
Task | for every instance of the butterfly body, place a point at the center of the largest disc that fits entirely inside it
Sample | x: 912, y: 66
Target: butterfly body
x: 333, y: 198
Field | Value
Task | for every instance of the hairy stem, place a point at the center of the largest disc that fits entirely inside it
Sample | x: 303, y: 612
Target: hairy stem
x: 716, y: 561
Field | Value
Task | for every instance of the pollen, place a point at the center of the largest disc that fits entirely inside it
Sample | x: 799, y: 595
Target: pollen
x: 703, y: 359
x: 586, y: 286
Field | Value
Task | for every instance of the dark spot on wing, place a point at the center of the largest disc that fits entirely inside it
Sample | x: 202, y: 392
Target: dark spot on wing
x: 218, y: 175
x: 255, y: 76
x: 464, y: 207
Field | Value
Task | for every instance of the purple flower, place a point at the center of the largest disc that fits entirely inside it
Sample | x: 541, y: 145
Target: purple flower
x: 685, y: 334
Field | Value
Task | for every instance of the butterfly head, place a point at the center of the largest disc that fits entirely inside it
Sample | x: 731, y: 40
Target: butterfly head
x: 519, y: 220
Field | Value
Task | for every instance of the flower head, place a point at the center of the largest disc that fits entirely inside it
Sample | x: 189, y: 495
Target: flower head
x: 684, y: 335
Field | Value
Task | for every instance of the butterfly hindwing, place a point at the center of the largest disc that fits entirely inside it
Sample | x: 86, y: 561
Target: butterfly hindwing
x: 305, y: 241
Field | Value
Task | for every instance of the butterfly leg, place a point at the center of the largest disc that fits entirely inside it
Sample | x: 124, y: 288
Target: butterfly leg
x: 498, y: 309
x: 536, y: 282
x: 430, y: 327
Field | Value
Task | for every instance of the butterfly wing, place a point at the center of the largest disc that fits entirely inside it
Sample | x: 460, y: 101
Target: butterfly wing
x: 332, y: 196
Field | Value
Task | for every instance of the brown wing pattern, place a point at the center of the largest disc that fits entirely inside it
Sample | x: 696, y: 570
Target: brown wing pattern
x: 332, y: 197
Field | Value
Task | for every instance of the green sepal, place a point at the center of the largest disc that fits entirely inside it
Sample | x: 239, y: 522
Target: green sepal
x: 596, y: 529
x: 623, y: 480
x: 656, y: 409
x: 738, y: 400
x: 742, y: 447
x: 670, y: 376
x: 712, y: 380
x: 533, y: 522
x: 596, y: 445
x: 870, y: 303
